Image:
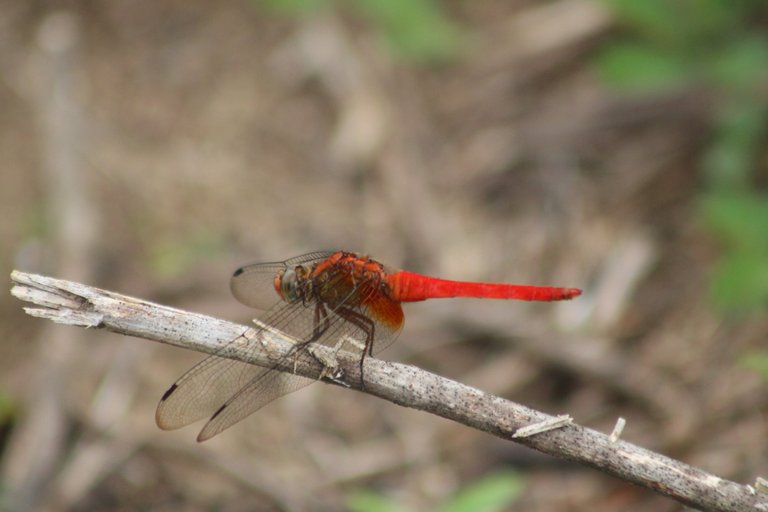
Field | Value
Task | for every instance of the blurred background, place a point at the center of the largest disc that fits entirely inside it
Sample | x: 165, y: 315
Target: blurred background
x: 618, y: 146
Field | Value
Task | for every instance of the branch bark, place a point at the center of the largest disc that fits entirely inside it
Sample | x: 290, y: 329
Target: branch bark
x: 76, y: 304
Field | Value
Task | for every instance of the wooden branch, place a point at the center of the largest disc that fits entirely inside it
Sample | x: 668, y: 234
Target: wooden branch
x: 83, y: 306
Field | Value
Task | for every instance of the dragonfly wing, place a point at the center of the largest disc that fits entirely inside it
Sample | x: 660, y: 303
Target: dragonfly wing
x: 241, y: 387
x: 200, y: 392
x: 268, y: 385
x: 310, y: 258
x: 253, y: 286
x: 217, y: 380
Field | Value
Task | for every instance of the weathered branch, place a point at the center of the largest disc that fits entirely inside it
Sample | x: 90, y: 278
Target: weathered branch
x: 80, y: 305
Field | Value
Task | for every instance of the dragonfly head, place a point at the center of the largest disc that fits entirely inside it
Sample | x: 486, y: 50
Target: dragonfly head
x: 288, y: 283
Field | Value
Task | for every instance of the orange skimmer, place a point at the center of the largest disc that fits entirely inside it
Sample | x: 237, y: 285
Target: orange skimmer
x: 321, y: 297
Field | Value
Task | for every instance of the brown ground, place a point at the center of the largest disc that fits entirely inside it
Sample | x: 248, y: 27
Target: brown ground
x: 208, y: 137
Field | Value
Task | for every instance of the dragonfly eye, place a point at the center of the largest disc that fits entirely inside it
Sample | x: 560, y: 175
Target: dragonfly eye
x: 288, y: 285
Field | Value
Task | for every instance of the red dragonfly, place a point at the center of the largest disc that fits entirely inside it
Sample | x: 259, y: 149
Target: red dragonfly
x: 320, y: 297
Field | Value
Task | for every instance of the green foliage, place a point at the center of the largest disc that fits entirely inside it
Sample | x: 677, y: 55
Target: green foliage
x: 294, y: 7
x: 175, y: 257
x: 678, y: 42
x: 35, y: 221
x: 489, y: 494
x: 7, y: 408
x: 681, y: 25
x: 634, y: 67
x: 492, y: 493
x: 362, y: 500
x: 734, y: 150
x: 738, y: 64
x: 740, y: 221
x: 413, y: 30
x: 719, y: 45
x: 757, y: 362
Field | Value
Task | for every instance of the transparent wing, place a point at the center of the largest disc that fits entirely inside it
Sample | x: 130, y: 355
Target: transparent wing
x: 269, y: 384
x: 265, y: 386
x: 253, y: 285
x: 202, y: 390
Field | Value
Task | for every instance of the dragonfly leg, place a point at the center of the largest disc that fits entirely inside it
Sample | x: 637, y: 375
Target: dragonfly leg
x: 321, y: 324
x: 367, y: 326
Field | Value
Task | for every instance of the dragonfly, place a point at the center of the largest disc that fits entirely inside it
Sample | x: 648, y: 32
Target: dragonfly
x: 329, y: 298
